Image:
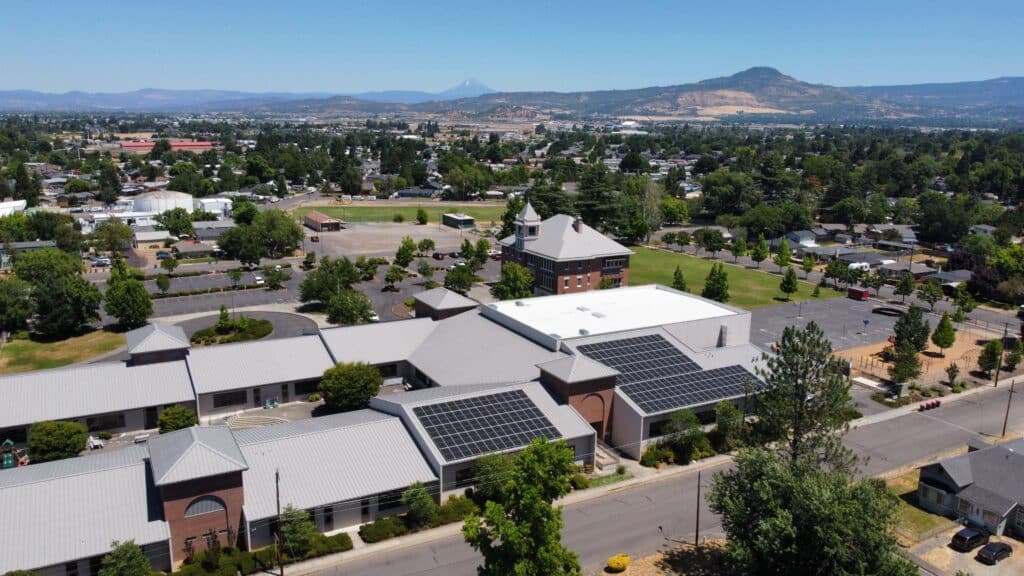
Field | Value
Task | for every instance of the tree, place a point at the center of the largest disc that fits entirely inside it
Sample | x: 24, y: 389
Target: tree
x: 242, y: 243
x: 930, y: 291
x: 129, y: 302
x: 459, y: 279
x: 425, y: 269
x: 759, y: 253
x: 944, y: 336
x: 333, y: 276
x: 912, y: 328
x: 277, y: 233
x: 874, y: 281
x: 805, y: 521
x: 716, y: 285
x: 514, y: 205
x: 729, y: 424
x: 421, y: 216
x: 65, y: 305
x: 393, y: 276
x: 789, y: 284
x: 784, y: 256
x: 423, y: 509
x: 836, y: 269
x: 16, y: 304
x: 244, y: 212
x: 350, y: 386
x: 807, y: 264
x: 906, y: 366
x: 177, y: 221
x: 49, y: 441
x: 163, y: 283
x: 678, y: 282
x: 989, y: 358
x: 481, y: 252
x: 176, y: 417
x: 1013, y: 355
x: 904, y: 286
x: 963, y: 299
x: 349, y: 307
x: 169, y: 264
x: 516, y: 282
x: 425, y: 246
x: 738, y: 248
x: 298, y: 532
x: 952, y: 372
x: 805, y: 405
x: 674, y: 210
x: 467, y: 250
x: 125, y: 559
x: 492, y: 471
x: 113, y: 235
x: 406, y: 252
x: 520, y: 533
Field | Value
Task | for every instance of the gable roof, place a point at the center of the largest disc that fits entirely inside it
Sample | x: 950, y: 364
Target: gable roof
x: 558, y: 240
x: 377, y: 342
x: 989, y: 477
x: 156, y: 337
x: 577, y: 368
x: 195, y: 452
x: 259, y: 363
x: 441, y: 298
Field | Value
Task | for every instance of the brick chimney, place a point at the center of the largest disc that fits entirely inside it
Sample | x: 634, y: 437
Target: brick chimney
x: 577, y: 224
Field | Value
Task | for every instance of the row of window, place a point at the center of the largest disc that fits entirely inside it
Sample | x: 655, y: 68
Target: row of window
x: 237, y: 397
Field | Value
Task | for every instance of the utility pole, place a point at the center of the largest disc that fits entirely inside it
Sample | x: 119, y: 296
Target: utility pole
x: 696, y: 527
x: 277, y: 536
x: 1006, y: 418
x: 999, y: 366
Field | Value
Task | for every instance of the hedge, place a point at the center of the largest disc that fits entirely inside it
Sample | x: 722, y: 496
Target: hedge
x: 206, y: 291
x: 454, y: 510
x: 233, y: 561
x: 382, y: 529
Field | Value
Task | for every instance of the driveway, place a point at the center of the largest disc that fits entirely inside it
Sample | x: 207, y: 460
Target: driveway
x: 936, y: 554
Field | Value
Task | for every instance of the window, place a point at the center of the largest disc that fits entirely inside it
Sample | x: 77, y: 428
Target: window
x: 71, y: 569
x: 547, y: 265
x: 464, y: 477
x: 229, y: 398
x: 565, y: 282
x: 990, y: 518
x: 964, y: 507
x: 107, y: 422
x: 579, y: 281
x: 95, y: 563
x: 531, y: 231
x: 614, y: 262
x: 304, y: 388
x: 1020, y: 518
x: 389, y: 500
x: 656, y: 429
x: 616, y: 282
x: 204, y: 505
x: 388, y: 370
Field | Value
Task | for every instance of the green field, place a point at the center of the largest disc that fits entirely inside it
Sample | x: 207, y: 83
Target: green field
x: 485, y: 213
x: 747, y: 288
x: 24, y: 354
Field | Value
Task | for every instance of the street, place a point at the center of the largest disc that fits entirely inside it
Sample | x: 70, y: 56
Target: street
x: 627, y: 521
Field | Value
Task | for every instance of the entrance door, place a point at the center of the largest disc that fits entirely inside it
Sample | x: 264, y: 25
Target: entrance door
x: 284, y: 393
x: 257, y: 401
x: 328, y: 518
x: 365, y: 510
x: 151, y: 418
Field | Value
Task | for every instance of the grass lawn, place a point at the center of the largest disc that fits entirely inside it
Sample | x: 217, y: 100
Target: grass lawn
x: 24, y: 354
x: 484, y: 213
x: 747, y: 288
x: 913, y: 523
x: 609, y: 479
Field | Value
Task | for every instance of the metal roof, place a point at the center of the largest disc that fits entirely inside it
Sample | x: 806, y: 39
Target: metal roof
x: 378, y: 342
x: 527, y: 213
x: 444, y: 299
x: 156, y: 337
x: 248, y: 364
x: 328, y: 460
x: 558, y: 240
x: 89, y: 389
x: 195, y: 452
x: 55, y: 512
x: 989, y: 477
x: 577, y: 368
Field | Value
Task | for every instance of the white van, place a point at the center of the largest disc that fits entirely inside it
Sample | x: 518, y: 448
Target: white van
x: 862, y: 266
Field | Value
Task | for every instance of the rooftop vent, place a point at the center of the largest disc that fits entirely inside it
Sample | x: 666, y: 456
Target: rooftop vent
x: 584, y: 331
x: 520, y: 303
x: 582, y: 308
x: 598, y: 314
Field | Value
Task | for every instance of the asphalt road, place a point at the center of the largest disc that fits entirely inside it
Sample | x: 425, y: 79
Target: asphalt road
x: 627, y: 521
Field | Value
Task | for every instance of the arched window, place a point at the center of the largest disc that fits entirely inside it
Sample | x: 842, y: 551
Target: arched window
x: 204, y: 505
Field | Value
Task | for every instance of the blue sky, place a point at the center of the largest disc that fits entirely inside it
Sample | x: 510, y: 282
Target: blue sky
x: 351, y: 46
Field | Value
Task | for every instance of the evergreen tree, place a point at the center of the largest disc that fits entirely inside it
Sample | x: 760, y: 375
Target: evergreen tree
x: 990, y: 356
x: 906, y: 366
x: 913, y: 329
x: 678, y: 282
x: 808, y: 263
x: 738, y: 248
x: 716, y: 286
x: 784, y: 256
x: 789, y: 283
x: 944, y: 336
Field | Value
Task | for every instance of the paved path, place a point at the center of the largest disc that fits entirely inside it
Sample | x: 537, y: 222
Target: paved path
x: 626, y: 519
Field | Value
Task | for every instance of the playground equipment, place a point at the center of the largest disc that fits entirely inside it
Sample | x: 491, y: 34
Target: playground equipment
x: 11, y: 457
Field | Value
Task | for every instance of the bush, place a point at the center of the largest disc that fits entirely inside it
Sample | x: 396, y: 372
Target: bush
x: 325, y: 545
x: 618, y: 563
x: 423, y: 510
x: 315, y: 397
x: 579, y: 482
x: 175, y: 418
x: 957, y: 388
x: 410, y: 302
x: 656, y: 454
x: 455, y: 510
x: 620, y: 470
x: 382, y: 529
x: 104, y: 435
x: 398, y: 218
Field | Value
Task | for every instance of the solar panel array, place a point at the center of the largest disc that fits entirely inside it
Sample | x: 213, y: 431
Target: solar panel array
x: 495, y: 422
x: 658, y: 377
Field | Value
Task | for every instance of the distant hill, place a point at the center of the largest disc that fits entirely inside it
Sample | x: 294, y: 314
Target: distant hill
x: 468, y: 89
x: 998, y: 94
x: 145, y: 100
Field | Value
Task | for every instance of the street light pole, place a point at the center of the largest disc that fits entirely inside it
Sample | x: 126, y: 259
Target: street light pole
x: 696, y: 527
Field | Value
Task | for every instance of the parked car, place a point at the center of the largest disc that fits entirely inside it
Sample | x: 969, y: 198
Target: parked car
x: 163, y: 255
x: 495, y: 254
x: 100, y: 262
x: 438, y: 256
x: 258, y: 280
x: 314, y: 238
x: 455, y: 254
x: 994, y: 552
x: 456, y: 265
x: 968, y: 539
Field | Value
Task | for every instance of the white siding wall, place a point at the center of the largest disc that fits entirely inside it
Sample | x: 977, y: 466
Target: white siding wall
x: 627, y: 428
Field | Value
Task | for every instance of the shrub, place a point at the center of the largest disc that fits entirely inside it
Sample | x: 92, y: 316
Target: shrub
x: 382, y: 529
x: 620, y: 470
x: 618, y: 563
x: 104, y: 435
x: 957, y: 388
x: 423, y: 510
x: 410, y: 302
x: 315, y: 397
x: 325, y: 545
x: 656, y: 454
x: 579, y: 482
x: 175, y: 418
x: 398, y: 218
x: 455, y: 510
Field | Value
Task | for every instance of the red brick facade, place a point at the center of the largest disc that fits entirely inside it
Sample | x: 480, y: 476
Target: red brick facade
x: 225, y: 523
x: 573, y: 276
x: 593, y: 399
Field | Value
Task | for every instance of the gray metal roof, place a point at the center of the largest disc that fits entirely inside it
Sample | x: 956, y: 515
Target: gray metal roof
x: 235, y: 366
x: 195, y: 452
x: 577, y: 368
x: 156, y: 337
x: 379, y: 342
x: 328, y: 460
x: 992, y: 475
x: 558, y: 240
x: 527, y: 213
x: 55, y: 512
x: 471, y: 349
x: 85, y: 390
x: 444, y: 299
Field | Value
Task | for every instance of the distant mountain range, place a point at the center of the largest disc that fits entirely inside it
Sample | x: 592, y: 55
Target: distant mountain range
x: 753, y: 94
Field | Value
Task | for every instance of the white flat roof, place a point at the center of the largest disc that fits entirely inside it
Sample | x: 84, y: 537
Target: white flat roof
x: 605, y: 311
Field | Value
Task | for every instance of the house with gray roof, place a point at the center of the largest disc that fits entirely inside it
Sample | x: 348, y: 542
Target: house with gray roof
x: 982, y: 487
x: 564, y: 254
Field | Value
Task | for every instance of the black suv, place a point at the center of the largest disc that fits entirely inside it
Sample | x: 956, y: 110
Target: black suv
x: 993, y: 552
x: 968, y: 539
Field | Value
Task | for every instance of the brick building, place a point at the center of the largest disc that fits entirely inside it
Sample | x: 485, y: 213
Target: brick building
x: 564, y: 254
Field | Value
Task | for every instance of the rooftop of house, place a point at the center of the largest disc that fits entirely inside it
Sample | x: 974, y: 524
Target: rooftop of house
x: 990, y: 476
x: 563, y: 238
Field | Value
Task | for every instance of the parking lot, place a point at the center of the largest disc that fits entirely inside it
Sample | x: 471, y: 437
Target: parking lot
x: 383, y: 238
x: 937, y: 554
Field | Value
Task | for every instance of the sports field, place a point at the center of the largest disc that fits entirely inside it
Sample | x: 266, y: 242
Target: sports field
x: 485, y: 214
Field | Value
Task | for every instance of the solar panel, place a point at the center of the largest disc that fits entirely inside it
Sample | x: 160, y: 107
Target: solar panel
x: 658, y: 377
x: 503, y: 421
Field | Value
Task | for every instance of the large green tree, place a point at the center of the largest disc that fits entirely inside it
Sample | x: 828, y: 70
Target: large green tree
x: 459, y: 279
x: 520, y: 532
x: 298, y: 532
x: 944, y: 335
x: 176, y: 417
x: 789, y: 284
x: 348, y: 307
x: 350, y: 386
x: 516, y: 282
x: 16, y: 304
x: 57, y: 440
x: 716, y: 285
x: 332, y: 276
x: 125, y: 559
x: 113, y: 235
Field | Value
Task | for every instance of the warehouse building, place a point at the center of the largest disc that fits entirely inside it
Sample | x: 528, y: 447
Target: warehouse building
x: 320, y: 222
